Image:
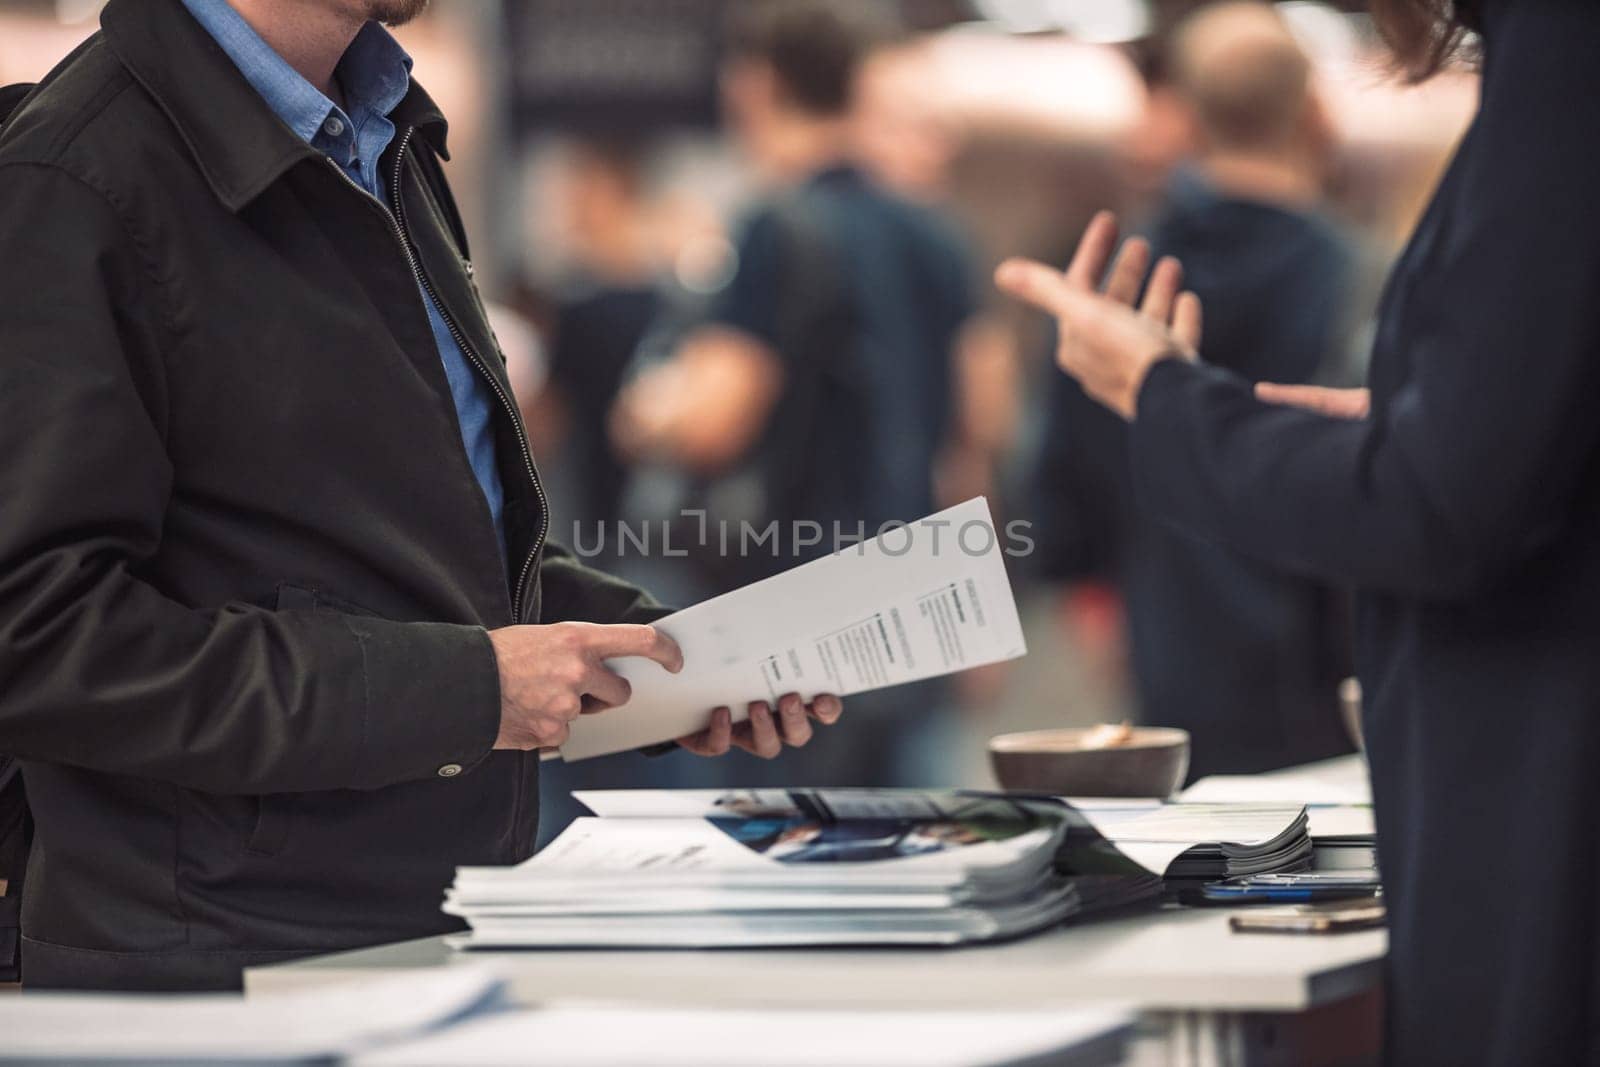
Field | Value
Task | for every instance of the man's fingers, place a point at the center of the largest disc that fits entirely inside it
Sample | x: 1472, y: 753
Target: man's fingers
x: 1099, y: 240
x: 630, y: 640
x: 765, y: 731
x: 1186, y: 320
x: 792, y: 717
x: 608, y: 688
x: 760, y: 736
x: 696, y: 744
x: 714, y: 740
x: 1127, y: 274
x: 1335, y: 403
x: 827, y: 708
x: 1161, y: 294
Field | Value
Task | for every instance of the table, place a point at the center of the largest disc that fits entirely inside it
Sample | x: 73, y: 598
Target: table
x: 1207, y: 995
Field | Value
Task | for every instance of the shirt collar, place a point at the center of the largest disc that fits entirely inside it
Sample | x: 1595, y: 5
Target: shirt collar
x: 375, y: 72
x: 238, y: 143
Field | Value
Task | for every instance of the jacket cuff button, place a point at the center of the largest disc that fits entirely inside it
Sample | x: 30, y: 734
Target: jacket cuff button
x: 449, y: 770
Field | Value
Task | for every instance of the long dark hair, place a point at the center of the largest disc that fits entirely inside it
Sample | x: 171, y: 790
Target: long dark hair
x: 1425, y: 35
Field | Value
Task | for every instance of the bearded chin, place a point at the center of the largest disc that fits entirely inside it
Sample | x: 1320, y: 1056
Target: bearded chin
x: 395, y: 12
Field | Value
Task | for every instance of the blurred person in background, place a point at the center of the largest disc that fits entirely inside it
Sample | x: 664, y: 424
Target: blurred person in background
x: 818, y: 387
x: 902, y: 137
x: 601, y: 315
x: 907, y: 143
x: 907, y: 140
x: 607, y: 305
x: 1460, y: 495
x: 1245, y: 657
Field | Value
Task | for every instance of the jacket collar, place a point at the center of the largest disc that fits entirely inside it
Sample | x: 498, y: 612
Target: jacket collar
x: 237, y: 141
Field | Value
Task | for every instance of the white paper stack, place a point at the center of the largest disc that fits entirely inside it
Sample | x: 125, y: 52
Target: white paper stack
x: 1197, y: 843
x: 796, y: 867
x: 1338, y: 798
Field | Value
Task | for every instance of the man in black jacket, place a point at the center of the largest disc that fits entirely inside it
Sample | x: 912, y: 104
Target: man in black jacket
x: 280, y: 631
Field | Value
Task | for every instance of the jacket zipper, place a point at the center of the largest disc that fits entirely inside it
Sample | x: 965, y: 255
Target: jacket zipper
x: 396, y: 216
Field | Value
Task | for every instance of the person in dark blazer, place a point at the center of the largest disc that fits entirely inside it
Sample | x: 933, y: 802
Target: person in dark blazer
x: 1461, y: 499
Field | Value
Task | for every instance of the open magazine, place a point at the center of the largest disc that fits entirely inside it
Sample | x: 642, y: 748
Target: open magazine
x: 800, y: 867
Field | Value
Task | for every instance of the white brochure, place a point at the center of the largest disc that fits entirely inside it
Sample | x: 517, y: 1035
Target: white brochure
x: 918, y: 601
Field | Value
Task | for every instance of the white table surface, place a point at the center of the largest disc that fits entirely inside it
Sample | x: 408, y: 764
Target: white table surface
x: 1173, y: 959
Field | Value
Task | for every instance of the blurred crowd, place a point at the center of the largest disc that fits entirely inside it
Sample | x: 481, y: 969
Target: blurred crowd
x: 738, y: 253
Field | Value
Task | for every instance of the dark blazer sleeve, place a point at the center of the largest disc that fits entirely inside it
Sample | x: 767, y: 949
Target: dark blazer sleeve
x: 1472, y: 465
x: 1082, y: 499
x: 100, y: 669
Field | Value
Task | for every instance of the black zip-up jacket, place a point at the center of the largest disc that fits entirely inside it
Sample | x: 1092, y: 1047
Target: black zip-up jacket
x: 246, y: 572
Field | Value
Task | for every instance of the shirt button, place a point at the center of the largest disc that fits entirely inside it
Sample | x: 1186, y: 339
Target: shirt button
x: 334, y: 125
x: 449, y: 770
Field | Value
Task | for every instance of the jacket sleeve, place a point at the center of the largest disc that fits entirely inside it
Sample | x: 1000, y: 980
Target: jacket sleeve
x: 573, y: 592
x: 1474, y: 464
x: 1083, y: 500
x: 98, y: 668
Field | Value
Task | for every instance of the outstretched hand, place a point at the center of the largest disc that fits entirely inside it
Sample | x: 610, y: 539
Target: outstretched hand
x: 1107, y: 342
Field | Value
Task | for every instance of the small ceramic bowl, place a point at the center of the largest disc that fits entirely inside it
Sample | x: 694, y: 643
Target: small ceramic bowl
x: 1152, y: 762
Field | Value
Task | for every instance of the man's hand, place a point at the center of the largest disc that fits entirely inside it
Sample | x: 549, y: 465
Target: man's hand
x: 764, y: 733
x: 1107, y: 344
x: 549, y: 675
x: 1334, y: 403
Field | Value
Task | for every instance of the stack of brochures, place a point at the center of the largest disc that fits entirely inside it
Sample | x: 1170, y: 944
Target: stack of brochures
x: 800, y: 867
x: 1338, y: 799
x: 1190, y: 844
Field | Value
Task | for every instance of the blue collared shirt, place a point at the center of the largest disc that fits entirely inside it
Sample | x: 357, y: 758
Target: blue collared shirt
x: 375, y: 74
